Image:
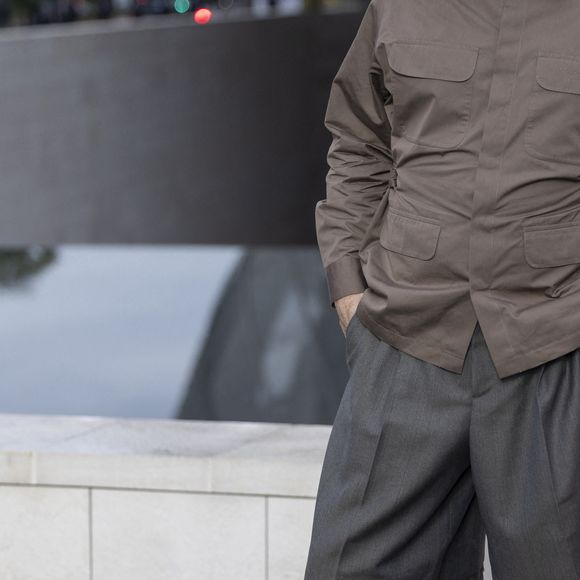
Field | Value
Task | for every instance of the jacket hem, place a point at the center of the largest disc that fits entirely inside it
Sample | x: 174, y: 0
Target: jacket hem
x: 433, y: 353
x: 426, y: 351
x: 549, y: 351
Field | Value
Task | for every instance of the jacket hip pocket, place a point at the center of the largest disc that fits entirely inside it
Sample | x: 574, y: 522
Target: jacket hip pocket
x: 410, y: 235
x: 556, y: 250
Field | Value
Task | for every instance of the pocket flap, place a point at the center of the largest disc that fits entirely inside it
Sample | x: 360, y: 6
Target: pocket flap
x: 558, y: 245
x: 434, y: 61
x: 558, y: 73
x: 409, y: 235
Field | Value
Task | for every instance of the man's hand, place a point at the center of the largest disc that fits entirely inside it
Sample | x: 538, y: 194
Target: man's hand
x: 345, y: 307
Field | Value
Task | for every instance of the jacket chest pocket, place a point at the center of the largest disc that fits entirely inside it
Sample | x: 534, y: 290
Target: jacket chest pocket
x: 432, y: 86
x: 553, y: 122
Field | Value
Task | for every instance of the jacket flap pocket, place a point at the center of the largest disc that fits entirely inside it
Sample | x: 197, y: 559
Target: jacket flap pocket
x: 409, y: 235
x: 434, y: 61
x: 558, y: 73
x: 558, y: 245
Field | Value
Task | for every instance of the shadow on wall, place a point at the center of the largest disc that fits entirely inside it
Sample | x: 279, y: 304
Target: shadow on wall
x: 274, y: 350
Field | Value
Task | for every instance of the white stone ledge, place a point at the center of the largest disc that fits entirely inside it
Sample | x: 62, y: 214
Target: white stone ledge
x: 234, y: 457
x: 93, y: 498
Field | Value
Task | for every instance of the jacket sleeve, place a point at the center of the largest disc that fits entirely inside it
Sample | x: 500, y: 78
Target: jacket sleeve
x: 359, y: 160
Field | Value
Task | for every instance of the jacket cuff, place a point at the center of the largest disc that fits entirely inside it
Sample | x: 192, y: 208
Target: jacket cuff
x: 344, y: 276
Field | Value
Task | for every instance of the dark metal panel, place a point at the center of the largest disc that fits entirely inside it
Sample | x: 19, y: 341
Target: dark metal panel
x: 167, y: 132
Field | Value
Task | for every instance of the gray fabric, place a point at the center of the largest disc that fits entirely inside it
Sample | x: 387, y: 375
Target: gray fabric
x: 422, y: 462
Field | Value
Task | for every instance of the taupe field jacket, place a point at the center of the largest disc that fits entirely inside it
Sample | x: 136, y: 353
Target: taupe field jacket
x: 453, y: 189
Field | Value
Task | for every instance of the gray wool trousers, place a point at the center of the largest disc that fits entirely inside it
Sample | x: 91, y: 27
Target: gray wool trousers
x: 423, y: 463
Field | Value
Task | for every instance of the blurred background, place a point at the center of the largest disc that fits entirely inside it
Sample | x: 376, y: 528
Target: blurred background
x: 160, y: 161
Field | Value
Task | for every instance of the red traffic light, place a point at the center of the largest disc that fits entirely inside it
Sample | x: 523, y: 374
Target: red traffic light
x: 202, y: 16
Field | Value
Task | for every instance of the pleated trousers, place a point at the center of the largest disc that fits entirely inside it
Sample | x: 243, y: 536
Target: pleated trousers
x: 423, y: 463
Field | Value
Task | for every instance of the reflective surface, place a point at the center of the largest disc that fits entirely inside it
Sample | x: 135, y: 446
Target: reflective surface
x: 202, y: 332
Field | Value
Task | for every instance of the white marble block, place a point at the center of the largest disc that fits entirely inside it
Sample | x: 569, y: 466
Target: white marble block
x: 289, y: 529
x: 147, y: 535
x: 44, y: 533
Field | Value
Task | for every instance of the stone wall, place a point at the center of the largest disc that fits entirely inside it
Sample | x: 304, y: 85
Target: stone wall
x: 85, y: 498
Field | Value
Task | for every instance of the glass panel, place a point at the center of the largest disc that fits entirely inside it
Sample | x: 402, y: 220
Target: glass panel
x: 189, y: 332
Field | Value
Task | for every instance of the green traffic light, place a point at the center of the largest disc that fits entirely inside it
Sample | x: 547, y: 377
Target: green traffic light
x: 181, y: 6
